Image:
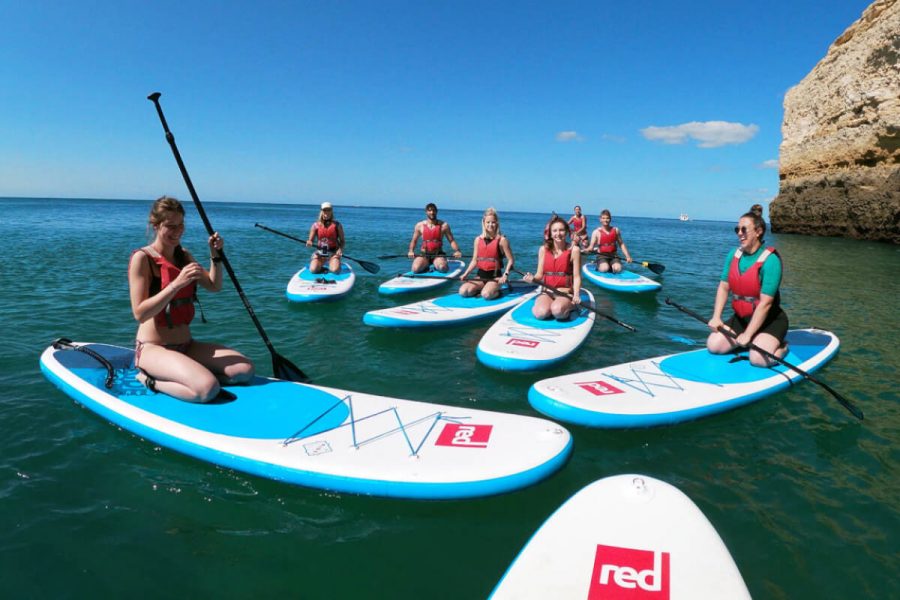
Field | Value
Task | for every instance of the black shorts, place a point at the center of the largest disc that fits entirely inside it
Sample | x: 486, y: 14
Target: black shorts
x: 431, y: 256
x: 775, y: 325
x: 487, y: 275
x: 605, y: 258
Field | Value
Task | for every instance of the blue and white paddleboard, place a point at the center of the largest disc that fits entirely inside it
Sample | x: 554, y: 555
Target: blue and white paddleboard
x: 626, y: 281
x: 323, y: 437
x: 626, y: 536
x: 419, y: 282
x: 520, y: 342
x: 675, y: 388
x: 451, y: 309
x: 306, y: 286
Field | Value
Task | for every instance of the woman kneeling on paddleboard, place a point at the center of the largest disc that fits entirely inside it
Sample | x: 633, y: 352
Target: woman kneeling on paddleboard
x: 752, y: 275
x: 488, y: 254
x: 162, y: 281
x: 559, y: 267
x: 328, y: 236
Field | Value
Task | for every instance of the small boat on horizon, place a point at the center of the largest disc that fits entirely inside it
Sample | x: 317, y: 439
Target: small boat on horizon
x: 683, y: 217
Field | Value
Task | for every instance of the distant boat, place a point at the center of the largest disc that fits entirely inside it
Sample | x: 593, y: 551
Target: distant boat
x: 683, y: 217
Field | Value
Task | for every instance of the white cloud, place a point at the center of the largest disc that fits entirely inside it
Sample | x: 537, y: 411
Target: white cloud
x: 772, y: 163
x: 569, y: 136
x: 708, y: 134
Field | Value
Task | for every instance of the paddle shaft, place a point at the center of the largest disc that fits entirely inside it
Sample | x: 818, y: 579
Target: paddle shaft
x: 856, y: 412
x: 154, y: 97
x: 590, y: 308
x: 655, y: 267
x: 368, y: 266
x: 432, y: 256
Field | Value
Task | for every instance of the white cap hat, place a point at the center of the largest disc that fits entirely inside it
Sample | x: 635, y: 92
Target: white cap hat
x: 325, y: 205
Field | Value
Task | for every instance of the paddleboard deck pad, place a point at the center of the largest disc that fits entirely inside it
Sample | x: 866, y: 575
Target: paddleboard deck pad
x: 306, y: 286
x: 520, y: 342
x: 318, y: 436
x: 451, y: 309
x: 625, y: 281
x: 678, y: 387
x: 626, y: 536
x: 418, y: 282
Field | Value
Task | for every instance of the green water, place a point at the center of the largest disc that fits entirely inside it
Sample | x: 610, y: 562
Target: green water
x: 804, y: 496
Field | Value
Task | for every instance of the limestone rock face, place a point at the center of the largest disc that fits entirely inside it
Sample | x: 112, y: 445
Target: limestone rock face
x: 840, y: 154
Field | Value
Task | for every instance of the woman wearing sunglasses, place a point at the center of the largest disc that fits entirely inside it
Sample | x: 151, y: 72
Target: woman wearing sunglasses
x: 751, y: 276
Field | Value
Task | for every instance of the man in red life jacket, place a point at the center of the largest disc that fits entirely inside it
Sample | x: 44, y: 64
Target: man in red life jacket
x: 432, y: 231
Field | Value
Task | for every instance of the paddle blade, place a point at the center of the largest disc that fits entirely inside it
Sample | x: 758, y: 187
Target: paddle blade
x: 369, y: 266
x: 284, y: 369
x: 655, y: 267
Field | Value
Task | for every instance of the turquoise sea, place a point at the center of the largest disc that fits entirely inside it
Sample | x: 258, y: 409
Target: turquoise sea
x: 806, y: 498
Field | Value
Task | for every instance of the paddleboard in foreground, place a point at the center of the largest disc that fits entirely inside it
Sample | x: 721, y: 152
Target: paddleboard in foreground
x: 306, y: 286
x: 626, y: 536
x: 451, y: 309
x: 520, y: 342
x: 626, y: 281
x: 322, y: 437
x: 419, y: 282
x: 678, y: 387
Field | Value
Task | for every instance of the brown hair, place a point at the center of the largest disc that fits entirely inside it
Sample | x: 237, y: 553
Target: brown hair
x: 755, y: 214
x: 548, y: 243
x: 160, y: 208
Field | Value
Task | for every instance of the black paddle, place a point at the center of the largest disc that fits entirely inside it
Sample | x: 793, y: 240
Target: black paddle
x: 655, y: 267
x: 368, y: 266
x: 282, y: 368
x: 727, y: 332
x: 590, y: 308
x: 447, y: 256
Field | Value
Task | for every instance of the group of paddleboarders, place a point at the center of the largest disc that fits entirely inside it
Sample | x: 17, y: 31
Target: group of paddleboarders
x: 163, y: 279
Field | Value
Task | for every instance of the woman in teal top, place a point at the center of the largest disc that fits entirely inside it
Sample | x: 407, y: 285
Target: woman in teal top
x: 751, y: 276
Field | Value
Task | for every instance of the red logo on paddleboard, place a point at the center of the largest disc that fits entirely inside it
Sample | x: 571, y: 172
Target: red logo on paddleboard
x: 525, y: 343
x: 464, y: 436
x: 599, y: 388
x: 629, y: 574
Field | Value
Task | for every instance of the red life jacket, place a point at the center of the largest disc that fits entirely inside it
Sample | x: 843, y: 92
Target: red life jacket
x: 432, y: 238
x: 488, y: 255
x: 180, y: 309
x: 608, y: 240
x: 577, y: 223
x: 326, y: 236
x: 558, y: 269
x: 746, y: 287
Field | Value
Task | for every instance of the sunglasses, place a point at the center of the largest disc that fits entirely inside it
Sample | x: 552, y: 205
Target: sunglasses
x: 742, y: 229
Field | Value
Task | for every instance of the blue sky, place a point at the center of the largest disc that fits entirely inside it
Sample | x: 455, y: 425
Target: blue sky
x: 649, y: 109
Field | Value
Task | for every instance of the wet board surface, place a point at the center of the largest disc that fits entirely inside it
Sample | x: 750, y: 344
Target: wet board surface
x: 323, y: 437
x: 520, y: 342
x: 306, y: 286
x: 678, y: 387
x: 625, y: 537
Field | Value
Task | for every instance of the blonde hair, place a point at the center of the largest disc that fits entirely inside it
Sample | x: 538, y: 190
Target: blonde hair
x: 487, y: 213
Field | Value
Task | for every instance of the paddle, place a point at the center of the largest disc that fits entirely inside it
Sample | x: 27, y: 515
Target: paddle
x: 368, y: 266
x: 282, y: 368
x: 655, y: 267
x: 447, y: 256
x: 727, y: 332
x: 590, y: 308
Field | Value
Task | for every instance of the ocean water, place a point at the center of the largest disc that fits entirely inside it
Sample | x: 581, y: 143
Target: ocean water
x: 806, y: 498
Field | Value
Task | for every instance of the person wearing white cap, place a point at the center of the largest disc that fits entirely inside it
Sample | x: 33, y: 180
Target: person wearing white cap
x: 328, y: 237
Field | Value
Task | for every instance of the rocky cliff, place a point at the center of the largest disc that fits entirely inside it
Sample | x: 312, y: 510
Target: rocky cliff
x: 840, y: 154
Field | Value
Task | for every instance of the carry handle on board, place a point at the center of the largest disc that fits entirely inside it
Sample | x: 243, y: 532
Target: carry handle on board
x: 856, y: 412
x: 282, y: 368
